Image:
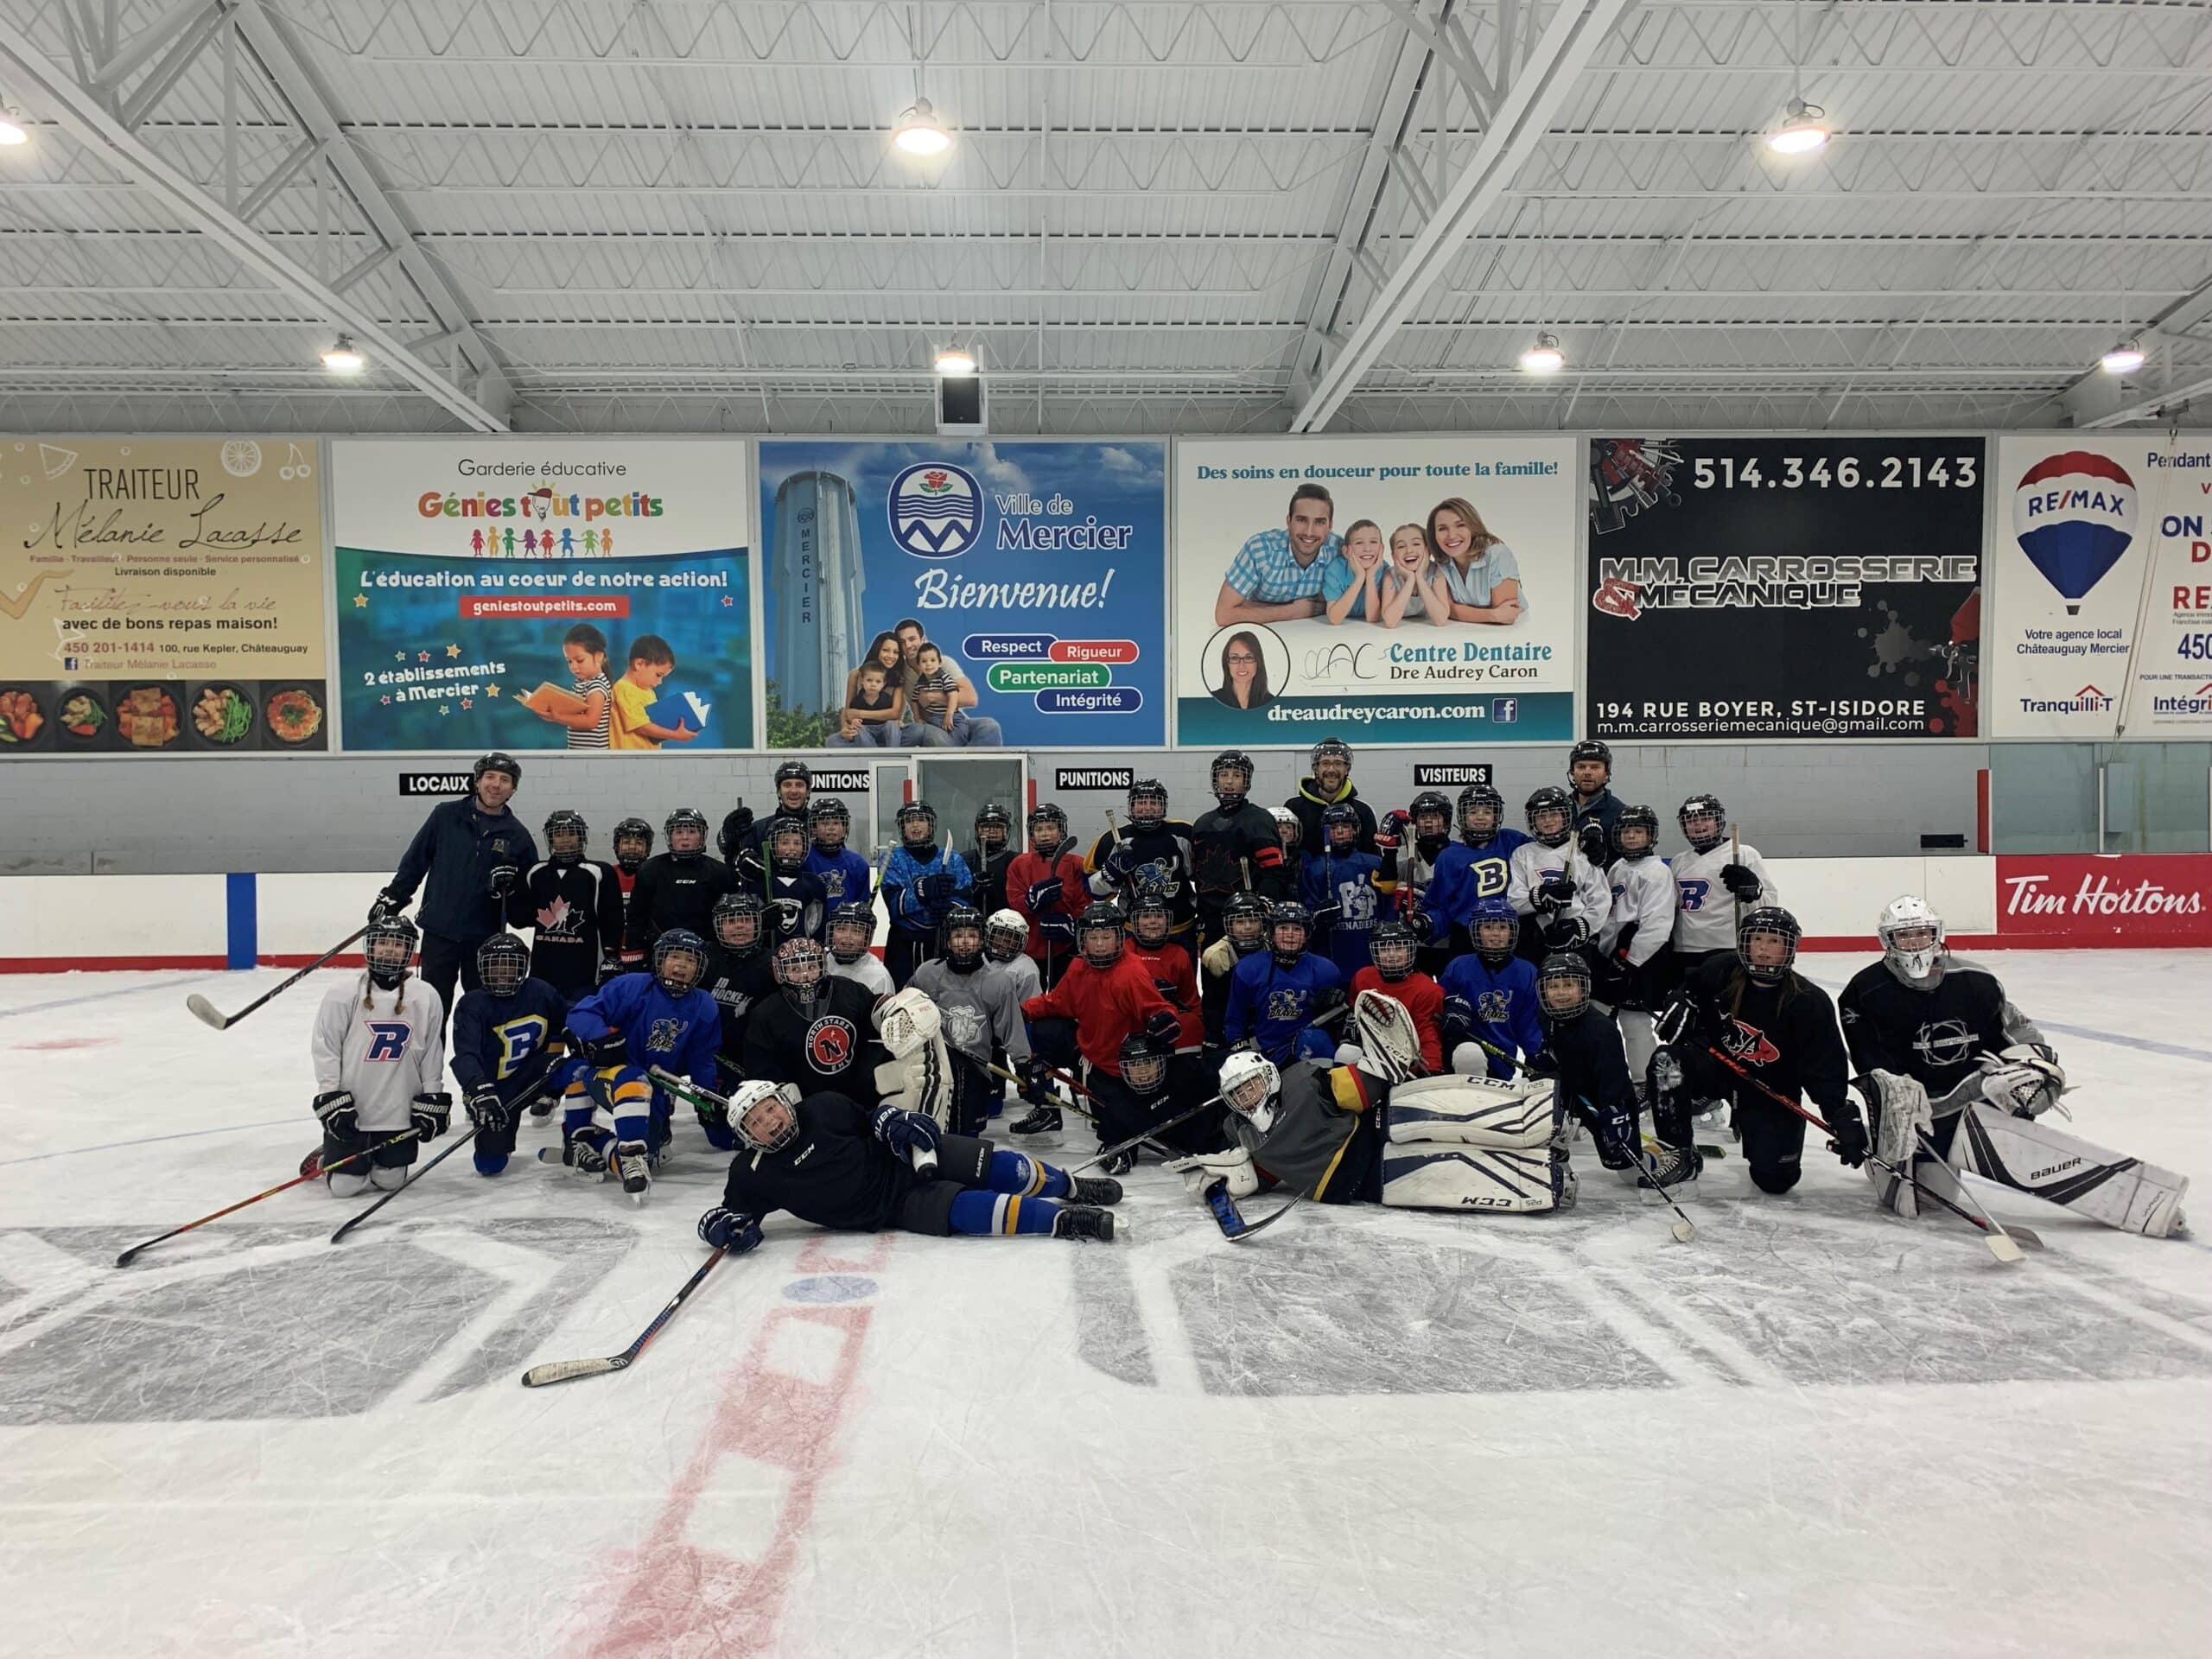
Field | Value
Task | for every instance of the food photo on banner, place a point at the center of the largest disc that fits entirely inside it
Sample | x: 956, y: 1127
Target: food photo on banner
x: 1785, y: 587
x: 1383, y: 590
x: 162, y: 596
x: 544, y: 593
x: 950, y: 594
x: 2103, y: 569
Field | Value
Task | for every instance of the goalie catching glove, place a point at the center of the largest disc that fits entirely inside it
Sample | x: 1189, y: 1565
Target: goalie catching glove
x: 1202, y: 1171
x: 2025, y: 1080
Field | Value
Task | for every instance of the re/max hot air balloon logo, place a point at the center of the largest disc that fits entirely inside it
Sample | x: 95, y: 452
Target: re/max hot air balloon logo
x: 2074, y: 516
x: 937, y: 510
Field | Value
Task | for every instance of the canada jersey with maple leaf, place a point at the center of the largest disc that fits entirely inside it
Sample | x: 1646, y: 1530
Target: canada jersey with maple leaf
x: 576, y: 912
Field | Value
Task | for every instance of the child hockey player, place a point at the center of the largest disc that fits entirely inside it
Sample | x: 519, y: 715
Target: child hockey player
x: 1275, y: 996
x: 1244, y: 922
x: 378, y: 1046
x: 852, y: 937
x: 1491, y: 1017
x: 615, y: 1118
x: 1105, y: 994
x: 740, y: 971
x: 815, y: 1035
x: 1392, y: 974
x: 1563, y: 894
x: 1634, y: 963
x: 1045, y: 885
x: 633, y: 845
x: 1006, y: 941
x: 676, y: 889
x: 506, y: 1038
x: 844, y: 874
x: 1412, y: 841
x: 1234, y: 847
x: 1149, y: 855
x: 1714, y: 884
x: 977, y: 1012
x: 797, y: 903
x: 1174, y: 974
x: 1475, y: 867
x: 575, y: 904
x: 921, y: 882
x: 1340, y: 889
x: 992, y: 857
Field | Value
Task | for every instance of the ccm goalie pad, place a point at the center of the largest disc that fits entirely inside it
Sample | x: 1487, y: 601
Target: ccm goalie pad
x: 919, y: 1076
x: 2031, y: 1156
x: 1474, y: 1143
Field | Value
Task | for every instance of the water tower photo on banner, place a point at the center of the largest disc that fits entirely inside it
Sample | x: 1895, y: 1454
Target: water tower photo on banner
x: 545, y: 594
x: 1382, y: 589
x: 2102, y: 563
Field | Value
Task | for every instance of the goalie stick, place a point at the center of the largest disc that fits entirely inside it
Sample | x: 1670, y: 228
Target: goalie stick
x: 320, y: 1170
x: 2005, y: 1246
x: 539, y: 1092
x: 208, y: 1014
x: 567, y: 1370
x: 1230, y: 1219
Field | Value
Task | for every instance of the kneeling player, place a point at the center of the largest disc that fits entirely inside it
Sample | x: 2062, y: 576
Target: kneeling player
x: 829, y: 1162
x: 1958, y: 1079
x: 1369, y: 1131
x: 379, y: 1045
x: 615, y: 1118
x: 1489, y: 996
x: 506, y: 1038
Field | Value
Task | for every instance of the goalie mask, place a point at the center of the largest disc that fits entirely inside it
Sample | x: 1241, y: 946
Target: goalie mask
x: 737, y: 922
x: 565, y: 834
x: 1767, y: 944
x: 829, y: 822
x: 1005, y: 935
x: 1389, y: 1047
x: 798, y: 971
x: 1098, y: 935
x: 1249, y: 1084
x: 679, y: 961
x: 1144, y: 1066
x: 388, y: 947
x: 1912, y: 937
x: 852, y: 930
x: 1496, y: 930
x: 503, y: 962
x: 1392, y: 949
x: 761, y: 1117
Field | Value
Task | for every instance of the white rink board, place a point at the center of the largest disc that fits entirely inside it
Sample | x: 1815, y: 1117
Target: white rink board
x: 1817, y: 1430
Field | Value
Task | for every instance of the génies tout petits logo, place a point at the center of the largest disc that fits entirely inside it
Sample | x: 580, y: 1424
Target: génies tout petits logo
x: 937, y: 510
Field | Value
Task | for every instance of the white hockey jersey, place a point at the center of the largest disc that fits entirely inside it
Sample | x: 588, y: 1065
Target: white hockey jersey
x: 866, y: 970
x: 1704, y: 917
x: 1644, y: 893
x: 1532, y: 861
x: 382, y: 1047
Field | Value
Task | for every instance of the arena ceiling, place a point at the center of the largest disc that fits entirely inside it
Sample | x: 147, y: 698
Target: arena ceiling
x: 1237, y: 215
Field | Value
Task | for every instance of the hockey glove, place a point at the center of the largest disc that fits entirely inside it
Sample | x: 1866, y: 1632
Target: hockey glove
x: 1554, y: 894
x: 1121, y: 863
x: 336, y: 1111
x: 491, y: 1114
x: 429, y: 1114
x: 936, y: 888
x: 1044, y: 895
x: 609, y: 967
x: 1327, y: 999
x: 1392, y: 829
x: 1564, y: 933
x: 1168, y: 991
x: 1847, y: 1131
x: 386, y: 905
x: 1542, y: 1064
x: 503, y: 877
x: 1037, y: 1084
x: 608, y: 1049
x: 1420, y: 924
x: 2025, y: 1080
x: 735, y: 828
x: 1163, y: 1027
x: 1595, y: 843
x: 905, y: 1131
x: 1061, y: 928
x: 1202, y: 1171
x: 1218, y: 957
x: 1458, y: 1019
x: 1742, y: 885
x: 729, y: 1229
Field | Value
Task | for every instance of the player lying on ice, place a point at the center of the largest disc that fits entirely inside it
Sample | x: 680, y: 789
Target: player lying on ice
x: 1956, y: 1078
x: 1367, y: 1128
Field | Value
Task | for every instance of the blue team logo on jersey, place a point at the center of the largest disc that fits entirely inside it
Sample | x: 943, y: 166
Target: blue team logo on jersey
x: 1694, y: 892
x: 1494, y: 1008
x: 1286, y: 1005
x: 937, y: 510
x: 388, y: 1040
x: 1155, y: 881
x: 665, y: 1036
x: 519, y: 1040
x: 1491, y: 878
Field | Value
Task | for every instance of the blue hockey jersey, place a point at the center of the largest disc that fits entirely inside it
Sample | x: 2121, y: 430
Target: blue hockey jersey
x: 506, y: 1041
x: 678, y: 1034
x: 1273, y: 1004
x: 846, y: 879
x: 907, y: 908
x: 1340, y: 889
x: 1466, y: 875
x: 1504, y: 1002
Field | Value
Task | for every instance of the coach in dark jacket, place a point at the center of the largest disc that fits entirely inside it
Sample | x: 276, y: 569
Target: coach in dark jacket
x: 474, y: 852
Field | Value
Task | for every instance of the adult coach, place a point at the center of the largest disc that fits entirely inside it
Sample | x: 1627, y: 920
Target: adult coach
x: 1276, y: 575
x: 467, y: 857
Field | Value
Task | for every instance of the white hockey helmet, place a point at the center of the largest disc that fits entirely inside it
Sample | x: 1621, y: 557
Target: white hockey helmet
x: 1006, y: 936
x: 1249, y: 1083
x: 774, y: 1130
x: 1911, y: 935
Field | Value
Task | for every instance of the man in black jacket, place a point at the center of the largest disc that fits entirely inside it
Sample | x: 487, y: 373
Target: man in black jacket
x: 472, y: 852
x: 1597, y: 809
x: 1329, y: 784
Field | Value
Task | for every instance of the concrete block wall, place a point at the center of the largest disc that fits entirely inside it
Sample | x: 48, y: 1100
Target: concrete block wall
x: 311, y: 812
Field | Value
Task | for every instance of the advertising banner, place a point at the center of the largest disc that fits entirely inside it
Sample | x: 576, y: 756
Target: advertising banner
x: 1009, y: 594
x: 2102, y: 533
x: 1785, y: 587
x: 1384, y: 590
x: 545, y: 594
x: 161, y: 596
x: 2139, y: 900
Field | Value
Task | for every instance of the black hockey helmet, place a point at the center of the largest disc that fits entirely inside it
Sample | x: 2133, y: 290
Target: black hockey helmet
x: 1232, y: 761
x: 632, y: 830
x: 1287, y: 915
x: 679, y: 961
x: 1392, y: 946
x: 799, y: 969
x: 787, y: 840
x: 992, y: 815
x: 1244, y: 923
x: 1151, y: 795
x: 686, y: 817
x: 1150, y: 919
x: 1099, y: 919
x: 497, y: 760
x: 912, y: 813
x: 737, y: 921
x: 851, y: 929
x: 1144, y: 1066
x: 1333, y: 819
x: 792, y: 772
x: 1429, y: 804
x: 566, y: 821
x: 1709, y: 834
x: 1591, y: 749
x: 1473, y: 797
x: 961, y: 919
x: 387, y: 947
x: 828, y: 809
x: 1489, y: 915
x: 1636, y: 817
x: 502, y: 963
x: 1330, y: 749
x: 1555, y: 1001
x: 1048, y: 815
x: 1768, y: 921
x: 1551, y: 800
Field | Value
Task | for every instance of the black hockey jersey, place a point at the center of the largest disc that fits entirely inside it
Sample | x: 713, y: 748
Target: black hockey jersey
x: 834, y: 1171
x: 1933, y: 1031
x: 1785, y: 1034
x: 833, y: 1048
x: 673, y: 893
x: 1162, y: 867
x: 988, y: 893
x: 1231, y: 851
x: 799, y: 907
x: 737, y: 984
x: 576, y: 911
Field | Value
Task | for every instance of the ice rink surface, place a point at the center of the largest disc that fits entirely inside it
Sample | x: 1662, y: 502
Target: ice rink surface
x: 1817, y: 1430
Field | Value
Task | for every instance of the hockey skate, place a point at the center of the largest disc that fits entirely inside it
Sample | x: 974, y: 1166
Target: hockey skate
x: 634, y: 1166
x: 1081, y: 1221
x: 1043, y: 1121
x: 1093, y: 1189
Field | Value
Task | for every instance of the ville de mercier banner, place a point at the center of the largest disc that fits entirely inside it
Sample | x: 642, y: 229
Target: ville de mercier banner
x: 544, y: 593
x: 1430, y: 599
x: 2102, y: 571
x: 161, y: 596
x: 1785, y: 587
x: 1035, y: 568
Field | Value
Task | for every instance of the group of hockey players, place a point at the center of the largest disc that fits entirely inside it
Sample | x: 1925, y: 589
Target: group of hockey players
x: 1421, y: 1009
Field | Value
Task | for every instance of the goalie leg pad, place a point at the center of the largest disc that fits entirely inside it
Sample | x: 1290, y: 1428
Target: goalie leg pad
x: 1473, y: 1111
x: 1453, y: 1175
x: 2031, y: 1156
x: 922, y: 1081
x: 1897, y: 1110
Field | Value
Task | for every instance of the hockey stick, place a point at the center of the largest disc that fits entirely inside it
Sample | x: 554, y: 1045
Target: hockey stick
x: 1121, y: 1146
x: 1230, y: 1219
x: 2001, y: 1244
x: 1683, y: 1228
x: 2019, y: 1235
x: 320, y: 1170
x: 567, y: 1370
x: 538, y: 1092
x: 207, y: 1014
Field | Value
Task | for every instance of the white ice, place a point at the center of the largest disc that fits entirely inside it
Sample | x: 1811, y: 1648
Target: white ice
x: 1817, y: 1430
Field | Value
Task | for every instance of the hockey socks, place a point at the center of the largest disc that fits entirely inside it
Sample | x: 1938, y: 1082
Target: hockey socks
x: 985, y: 1214
x: 1025, y: 1176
